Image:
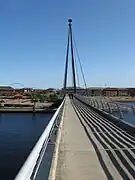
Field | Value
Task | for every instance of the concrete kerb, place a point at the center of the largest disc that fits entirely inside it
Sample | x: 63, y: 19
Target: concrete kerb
x: 53, y: 169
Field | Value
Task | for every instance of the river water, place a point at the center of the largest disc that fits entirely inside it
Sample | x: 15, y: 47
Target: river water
x: 18, y: 135
x: 128, y: 116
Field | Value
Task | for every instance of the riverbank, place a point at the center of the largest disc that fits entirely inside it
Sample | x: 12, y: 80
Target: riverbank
x: 122, y: 99
x: 26, y: 110
x: 18, y: 106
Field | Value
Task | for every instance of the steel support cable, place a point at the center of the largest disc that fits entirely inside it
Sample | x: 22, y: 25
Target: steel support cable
x: 66, y: 65
x: 72, y: 55
x: 80, y: 63
x: 77, y: 71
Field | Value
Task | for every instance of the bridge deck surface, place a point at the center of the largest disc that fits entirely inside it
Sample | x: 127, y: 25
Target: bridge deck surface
x: 77, y: 158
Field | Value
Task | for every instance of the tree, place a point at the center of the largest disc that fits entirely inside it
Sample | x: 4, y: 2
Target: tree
x: 53, y: 97
x: 42, y: 97
x: 33, y: 98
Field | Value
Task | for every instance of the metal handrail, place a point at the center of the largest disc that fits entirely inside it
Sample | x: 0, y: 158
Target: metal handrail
x: 27, y: 169
x: 108, y: 106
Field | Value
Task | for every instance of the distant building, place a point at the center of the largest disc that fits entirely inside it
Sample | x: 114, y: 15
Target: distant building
x: 95, y: 91
x: 115, y: 92
x: 27, y: 90
x: 131, y: 92
x: 70, y: 90
x: 51, y: 90
x: 23, y: 90
x: 123, y: 92
x: 6, y: 90
x: 110, y: 92
x: 37, y: 91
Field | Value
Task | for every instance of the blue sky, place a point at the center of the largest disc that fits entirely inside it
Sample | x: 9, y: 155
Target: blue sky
x: 33, y: 38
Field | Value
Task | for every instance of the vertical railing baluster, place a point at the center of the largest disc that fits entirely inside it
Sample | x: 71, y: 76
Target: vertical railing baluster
x: 110, y: 110
x: 133, y: 109
x: 119, y: 110
x: 94, y: 102
x: 97, y: 103
x: 90, y: 101
x: 102, y: 106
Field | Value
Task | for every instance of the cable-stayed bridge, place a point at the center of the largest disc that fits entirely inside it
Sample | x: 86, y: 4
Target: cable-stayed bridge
x: 88, y: 137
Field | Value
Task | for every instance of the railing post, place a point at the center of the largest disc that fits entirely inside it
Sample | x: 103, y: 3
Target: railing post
x: 87, y: 100
x: 94, y: 103
x: 110, y: 110
x: 119, y: 110
x: 102, y: 106
x: 34, y: 106
x: 90, y: 101
x: 97, y: 103
x: 133, y: 109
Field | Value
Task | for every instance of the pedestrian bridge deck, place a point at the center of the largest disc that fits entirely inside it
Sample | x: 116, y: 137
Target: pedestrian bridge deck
x: 91, y: 147
x: 77, y: 159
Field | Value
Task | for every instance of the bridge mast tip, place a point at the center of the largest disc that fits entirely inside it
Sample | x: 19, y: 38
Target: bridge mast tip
x: 70, y: 21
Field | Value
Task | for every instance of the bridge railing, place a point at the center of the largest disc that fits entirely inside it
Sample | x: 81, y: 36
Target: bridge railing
x: 117, y: 109
x: 31, y: 165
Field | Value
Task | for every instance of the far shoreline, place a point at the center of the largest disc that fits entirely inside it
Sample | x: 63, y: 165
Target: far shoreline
x: 26, y: 110
x: 122, y: 99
